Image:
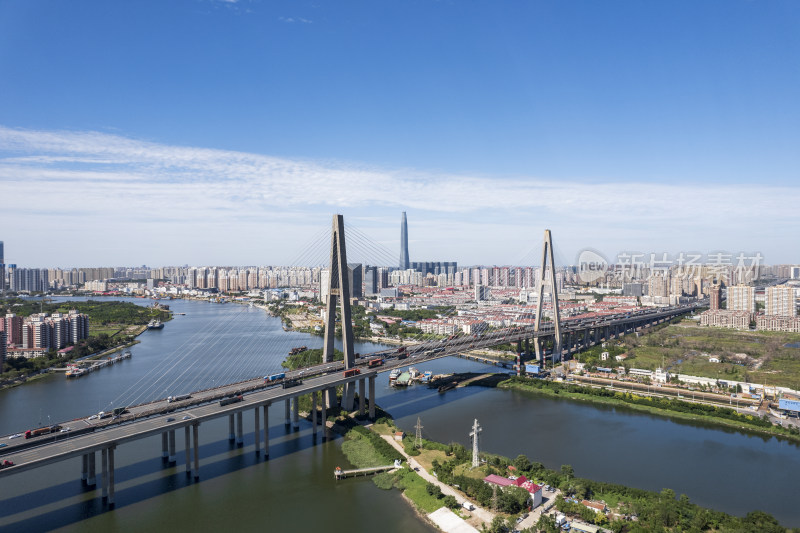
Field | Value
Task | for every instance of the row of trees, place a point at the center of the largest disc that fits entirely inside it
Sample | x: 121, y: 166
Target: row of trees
x: 669, y: 404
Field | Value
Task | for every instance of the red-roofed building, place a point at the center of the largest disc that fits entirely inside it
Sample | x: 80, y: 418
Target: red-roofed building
x: 597, y: 507
x: 522, y: 482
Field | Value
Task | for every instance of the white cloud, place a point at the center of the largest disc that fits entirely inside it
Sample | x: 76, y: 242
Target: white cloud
x: 110, y: 179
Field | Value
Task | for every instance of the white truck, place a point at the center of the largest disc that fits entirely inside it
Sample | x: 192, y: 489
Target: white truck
x: 468, y: 506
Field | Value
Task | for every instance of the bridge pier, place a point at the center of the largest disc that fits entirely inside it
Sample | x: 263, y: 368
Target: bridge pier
x: 84, y: 468
x: 104, y: 461
x: 266, y: 431
x: 187, y: 444
x: 257, y: 431
x: 371, y: 398
x: 349, y: 396
x: 111, y: 475
x: 314, y: 413
x: 362, y: 393
x: 231, y: 434
x: 324, y: 416
x: 239, y: 430
x: 91, y: 479
x: 288, y: 409
x: 329, y: 397
x: 295, y: 412
x: 196, y: 432
x: 164, y: 446
x: 171, y: 446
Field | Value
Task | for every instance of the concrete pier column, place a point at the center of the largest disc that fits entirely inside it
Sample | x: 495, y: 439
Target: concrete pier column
x: 296, y: 412
x: 104, y: 461
x: 266, y: 431
x: 91, y: 479
x: 362, y: 394
x: 187, y: 444
x: 257, y: 432
x: 111, y: 475
x: 324, y: 416
x: 164, y: 446
x: 314, y: 413
x: 330, y: 397
x: 171, y: 446
x: 372, y: 398
x: 231, y: 434
x: 239, y: 430
x: 84, y: 468
x: 288, y: 410
x: 196, y: 434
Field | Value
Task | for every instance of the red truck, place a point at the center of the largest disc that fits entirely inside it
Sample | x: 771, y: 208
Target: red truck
x: 375, y: 362
x: 351, y: 372
x: 41, y: 431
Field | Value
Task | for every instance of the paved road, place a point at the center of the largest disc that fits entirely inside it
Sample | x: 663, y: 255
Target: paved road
x: 481, y: 513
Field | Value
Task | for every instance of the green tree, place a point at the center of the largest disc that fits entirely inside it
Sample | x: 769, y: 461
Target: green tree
x: 522, y: 463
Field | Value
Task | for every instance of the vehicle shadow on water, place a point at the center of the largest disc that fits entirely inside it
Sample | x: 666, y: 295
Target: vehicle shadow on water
x: 284, y: 441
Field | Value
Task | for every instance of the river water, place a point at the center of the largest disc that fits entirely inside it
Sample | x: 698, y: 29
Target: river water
x: 295, y: 490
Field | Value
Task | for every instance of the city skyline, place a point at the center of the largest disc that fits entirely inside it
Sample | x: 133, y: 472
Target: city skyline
x: 659, y: 128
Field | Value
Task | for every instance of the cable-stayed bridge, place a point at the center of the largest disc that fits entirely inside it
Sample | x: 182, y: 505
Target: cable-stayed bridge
x: 555, y: 340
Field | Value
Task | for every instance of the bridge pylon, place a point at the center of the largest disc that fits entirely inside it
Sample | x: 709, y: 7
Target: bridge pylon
x: 547, y: 260
x: 339, y: 291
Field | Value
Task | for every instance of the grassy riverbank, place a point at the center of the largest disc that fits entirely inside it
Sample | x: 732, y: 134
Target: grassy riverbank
x: 722, y: 416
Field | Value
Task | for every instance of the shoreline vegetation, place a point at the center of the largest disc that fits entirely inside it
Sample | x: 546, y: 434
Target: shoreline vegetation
x: 629, y: 509
x: 710, y: 414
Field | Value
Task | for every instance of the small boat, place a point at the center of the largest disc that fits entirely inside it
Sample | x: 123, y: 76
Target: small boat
x: 297, y: 350
x: 75, y: 371
x: 426, y: 376
x: 155, y: 324
x: 393, y: 376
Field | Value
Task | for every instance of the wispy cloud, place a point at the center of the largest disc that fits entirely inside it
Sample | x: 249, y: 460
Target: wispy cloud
x: 295, y: 19
x: 97, y: 177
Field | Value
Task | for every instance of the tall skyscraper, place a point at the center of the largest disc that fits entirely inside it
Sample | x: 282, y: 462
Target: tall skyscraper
x: 404, y: 261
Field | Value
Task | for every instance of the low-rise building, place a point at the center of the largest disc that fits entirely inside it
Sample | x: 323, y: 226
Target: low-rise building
x: 533, y: 489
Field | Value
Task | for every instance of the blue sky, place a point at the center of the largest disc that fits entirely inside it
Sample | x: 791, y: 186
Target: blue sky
x: 212, y: 132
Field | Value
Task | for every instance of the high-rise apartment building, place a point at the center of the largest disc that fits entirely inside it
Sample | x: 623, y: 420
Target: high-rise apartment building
x: 404, y: 260
x: 715, y: 296
x: 2, y: 276
x: 742, y: 298
x: 780, y: 301
x: 2, y: 348
x: 658, y: 284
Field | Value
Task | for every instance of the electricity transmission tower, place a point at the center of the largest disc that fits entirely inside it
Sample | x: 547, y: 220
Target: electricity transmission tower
x: 474, y: 434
